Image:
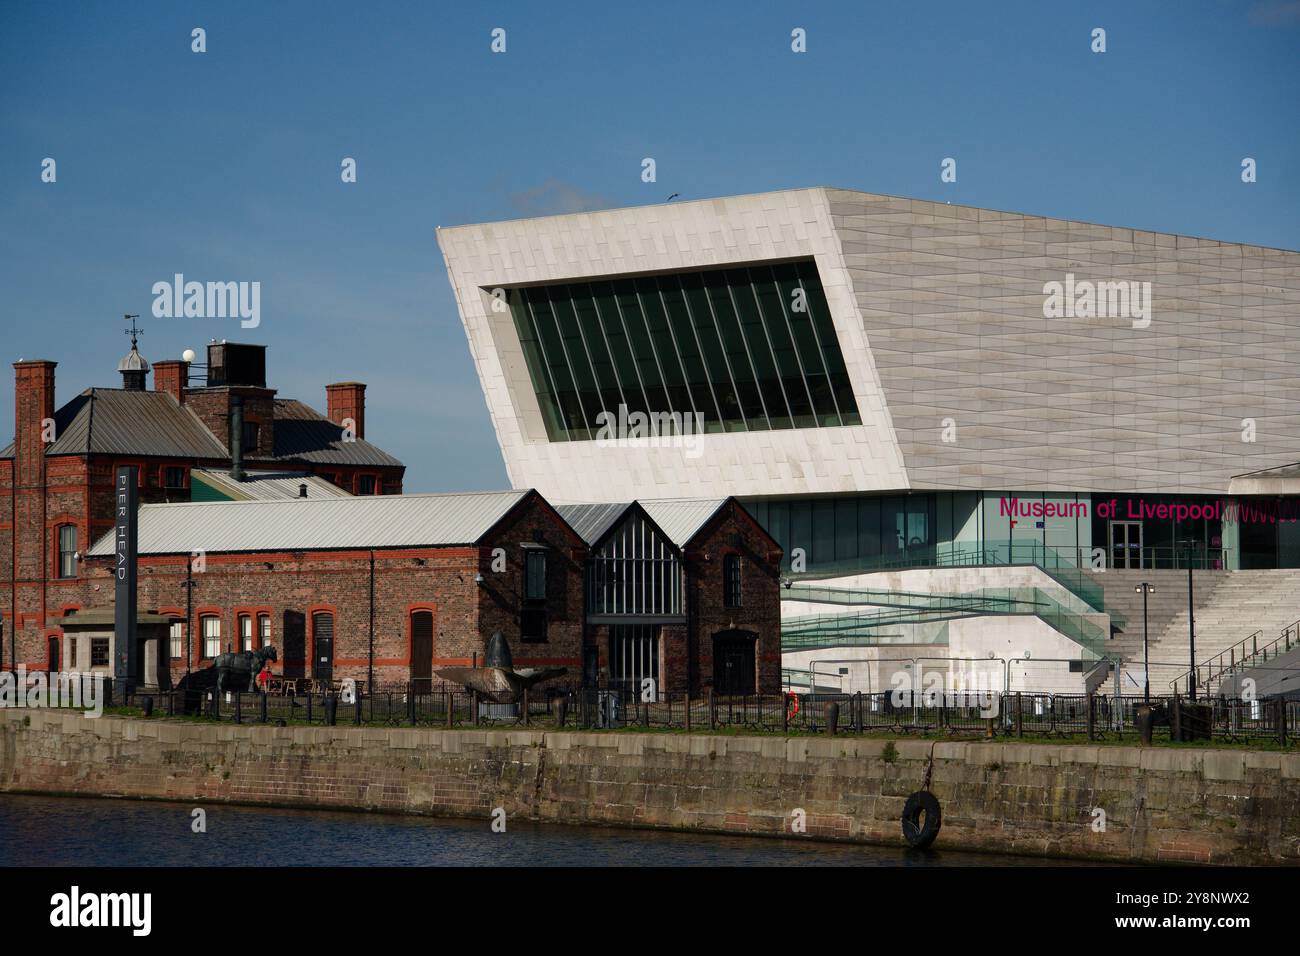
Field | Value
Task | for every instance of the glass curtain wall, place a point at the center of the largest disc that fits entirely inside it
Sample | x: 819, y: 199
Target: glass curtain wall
x: 748, y: 348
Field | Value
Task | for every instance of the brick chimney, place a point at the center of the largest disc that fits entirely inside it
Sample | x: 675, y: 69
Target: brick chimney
x: 347, y: 400
x: 173, y: 377
x: 33, y: 403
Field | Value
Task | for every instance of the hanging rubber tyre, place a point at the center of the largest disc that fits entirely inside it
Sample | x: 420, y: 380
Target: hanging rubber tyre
x: 921, y: 819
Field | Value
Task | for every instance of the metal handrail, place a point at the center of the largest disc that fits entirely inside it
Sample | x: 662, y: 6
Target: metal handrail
x: 1289, y: 637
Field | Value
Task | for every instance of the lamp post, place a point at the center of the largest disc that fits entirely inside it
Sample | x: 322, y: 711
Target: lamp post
x: 1190, y: 544
x: 1144, y: 589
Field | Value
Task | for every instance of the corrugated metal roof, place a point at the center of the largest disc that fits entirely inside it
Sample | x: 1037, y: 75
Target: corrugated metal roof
x: 384, y: 521
x: 681, y: 518
x: 304, y: 434
x: 267, y: 485
x: 592, y: 521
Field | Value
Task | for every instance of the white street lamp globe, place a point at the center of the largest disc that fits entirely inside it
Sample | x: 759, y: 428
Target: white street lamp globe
x: 188, y: 355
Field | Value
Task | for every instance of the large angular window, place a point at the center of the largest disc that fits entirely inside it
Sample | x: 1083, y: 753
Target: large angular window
x: 746, y: 348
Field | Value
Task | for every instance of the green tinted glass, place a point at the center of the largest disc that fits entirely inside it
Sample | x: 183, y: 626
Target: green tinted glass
x: 745, y: 348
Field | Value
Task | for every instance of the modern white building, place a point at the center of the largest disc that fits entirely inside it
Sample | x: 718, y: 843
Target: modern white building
x: 892, y: 384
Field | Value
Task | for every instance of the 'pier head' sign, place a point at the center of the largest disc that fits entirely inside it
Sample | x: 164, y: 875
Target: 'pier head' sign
x: 126, y: 502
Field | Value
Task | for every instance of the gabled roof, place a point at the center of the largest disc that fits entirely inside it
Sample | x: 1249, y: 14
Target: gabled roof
x: 591, y: 522
x: 681, y: 518
x: 266, y: 485
x: 307, y: 524
x: 114, y: 421
x: 304, y: 434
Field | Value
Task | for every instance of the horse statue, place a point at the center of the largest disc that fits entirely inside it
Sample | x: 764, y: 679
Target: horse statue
x: 241, y: 667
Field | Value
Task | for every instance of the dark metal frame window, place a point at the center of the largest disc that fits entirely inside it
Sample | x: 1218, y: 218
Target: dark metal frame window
x: 634, y: 655
x: 67, y: 538
x: 534, y: 575
x: 747, y: 348
x: 635, y: 570
x: 252, y: 431
x: 367, y: 484
x: 731, y: 580
x: 174, y: 477
x: 99, y: 652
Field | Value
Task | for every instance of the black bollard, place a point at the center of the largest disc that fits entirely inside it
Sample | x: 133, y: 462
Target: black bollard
x: 1144, y: 723
x: 262, y: 708
x: 331, y: 710
x: 148, y: 706
x: 832, y: 717
x: 561, y: 710
x: 239, y: 707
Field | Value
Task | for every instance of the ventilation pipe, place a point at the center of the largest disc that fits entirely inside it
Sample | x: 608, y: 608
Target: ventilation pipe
x: 237, y: 437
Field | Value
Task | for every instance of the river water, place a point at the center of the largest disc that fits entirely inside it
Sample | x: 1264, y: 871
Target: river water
x: 69, y: 831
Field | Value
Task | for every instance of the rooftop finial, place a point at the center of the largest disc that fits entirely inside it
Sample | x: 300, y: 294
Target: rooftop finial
x: 132, y: 331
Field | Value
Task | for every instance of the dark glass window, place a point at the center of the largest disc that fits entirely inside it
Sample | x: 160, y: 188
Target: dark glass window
x: 67, y: 551
x: 747, y: 349
x: 366, y: 485
x: 250, y: 436
x: 532, y: 624
x: 99, y: 652
x: 534, y: 575
x: 731, y: 580
x: 174, y: 477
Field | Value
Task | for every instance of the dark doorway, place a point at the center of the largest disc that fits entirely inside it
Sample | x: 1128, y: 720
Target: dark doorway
x: 294, y: 652
x: 322, y: 643
x: 422, y: 652
x: 590, y: 665
x: 54, y: 654
x: 733, y: 662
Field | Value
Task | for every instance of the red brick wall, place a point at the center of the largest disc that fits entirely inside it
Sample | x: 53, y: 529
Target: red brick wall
x: 173, y: 377
x: 346, y: 400
x: 440, y: 580
x: 734, y: 532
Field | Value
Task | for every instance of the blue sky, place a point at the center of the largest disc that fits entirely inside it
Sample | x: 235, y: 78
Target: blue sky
x: 225, y: 165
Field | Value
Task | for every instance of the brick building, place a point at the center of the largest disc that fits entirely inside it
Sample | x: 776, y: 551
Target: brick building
x: 389, y: 589
x: 684, y: 591
x: 384, y: 588
x: 56, y: 478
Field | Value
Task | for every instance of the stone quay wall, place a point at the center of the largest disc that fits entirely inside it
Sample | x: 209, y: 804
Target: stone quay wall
x: 1160, y: 805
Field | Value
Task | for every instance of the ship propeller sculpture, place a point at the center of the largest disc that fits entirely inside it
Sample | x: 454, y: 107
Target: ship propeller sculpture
x: 498, y: 680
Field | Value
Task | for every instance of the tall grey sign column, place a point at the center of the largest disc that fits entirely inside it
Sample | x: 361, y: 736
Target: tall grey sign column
x: 126, y: 499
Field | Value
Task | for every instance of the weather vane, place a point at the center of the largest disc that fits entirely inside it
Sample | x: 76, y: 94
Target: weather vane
x: 132, y: 331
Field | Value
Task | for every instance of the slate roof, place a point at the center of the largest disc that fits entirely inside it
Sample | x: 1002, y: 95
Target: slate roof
x: 304, y: 434
x: 115, y: 421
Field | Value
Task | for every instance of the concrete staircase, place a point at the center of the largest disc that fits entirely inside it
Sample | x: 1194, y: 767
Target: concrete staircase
x: 1245, y: 602
x: 1164, y: 605
x: 1230, y: 606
